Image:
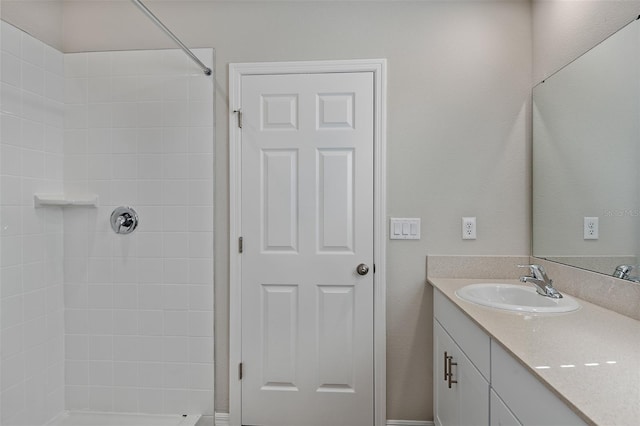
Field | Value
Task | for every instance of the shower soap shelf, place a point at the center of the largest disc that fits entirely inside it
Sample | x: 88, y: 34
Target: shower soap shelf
x: 61, y: 200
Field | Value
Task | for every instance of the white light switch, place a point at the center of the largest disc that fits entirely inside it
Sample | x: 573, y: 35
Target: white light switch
x: 404, y: 228
x: 397, y: 228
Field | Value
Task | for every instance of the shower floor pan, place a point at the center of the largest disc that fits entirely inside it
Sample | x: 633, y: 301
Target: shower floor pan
x: 86, y: 418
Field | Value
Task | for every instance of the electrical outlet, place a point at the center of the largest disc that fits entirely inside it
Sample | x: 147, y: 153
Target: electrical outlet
x: 468, y: 228
x: 591, y: 228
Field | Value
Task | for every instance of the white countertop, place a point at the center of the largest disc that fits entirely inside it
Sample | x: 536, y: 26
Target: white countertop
x: 590, y: 358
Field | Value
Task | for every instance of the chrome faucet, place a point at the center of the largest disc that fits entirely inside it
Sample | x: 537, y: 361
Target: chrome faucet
x: 622, y: 271
x: 539, y: 278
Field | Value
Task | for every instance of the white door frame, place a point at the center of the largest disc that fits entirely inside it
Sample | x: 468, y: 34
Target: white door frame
x: 236, y: 71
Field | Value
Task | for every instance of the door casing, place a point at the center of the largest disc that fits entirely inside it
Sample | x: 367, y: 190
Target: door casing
x: 236, y: 72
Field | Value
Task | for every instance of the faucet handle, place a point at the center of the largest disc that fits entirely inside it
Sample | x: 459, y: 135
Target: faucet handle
x: 537, y: 271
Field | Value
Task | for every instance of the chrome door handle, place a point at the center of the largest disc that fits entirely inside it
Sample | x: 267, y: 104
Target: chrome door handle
x: 362, y: 269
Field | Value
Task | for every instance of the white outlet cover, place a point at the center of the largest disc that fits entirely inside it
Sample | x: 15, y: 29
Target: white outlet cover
x: 469, y: 228
x: 591, y: 228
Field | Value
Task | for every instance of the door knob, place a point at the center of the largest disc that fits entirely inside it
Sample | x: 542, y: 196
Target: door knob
x: 362, y: 269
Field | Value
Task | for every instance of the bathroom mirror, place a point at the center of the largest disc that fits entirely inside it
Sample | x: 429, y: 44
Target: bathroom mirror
x: 586, y: 143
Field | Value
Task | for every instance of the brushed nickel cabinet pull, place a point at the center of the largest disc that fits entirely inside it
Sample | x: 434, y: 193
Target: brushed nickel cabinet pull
x: 446, y: 373
x: 450, y: 375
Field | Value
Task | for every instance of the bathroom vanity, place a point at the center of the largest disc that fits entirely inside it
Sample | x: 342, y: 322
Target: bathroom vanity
x: 496, y: 367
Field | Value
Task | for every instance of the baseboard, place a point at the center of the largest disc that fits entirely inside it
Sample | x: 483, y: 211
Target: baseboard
x: 222, y: 419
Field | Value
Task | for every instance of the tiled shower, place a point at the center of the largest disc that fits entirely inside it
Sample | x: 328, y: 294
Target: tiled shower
x: 92, y: 320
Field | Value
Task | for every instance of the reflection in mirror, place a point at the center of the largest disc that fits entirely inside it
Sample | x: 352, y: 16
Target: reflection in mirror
x: 586, y: 138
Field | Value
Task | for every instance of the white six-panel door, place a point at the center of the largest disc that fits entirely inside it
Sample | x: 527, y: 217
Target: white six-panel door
x: 307, y: 223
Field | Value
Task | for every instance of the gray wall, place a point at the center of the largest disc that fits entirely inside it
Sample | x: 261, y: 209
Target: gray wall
x: 458, y: 130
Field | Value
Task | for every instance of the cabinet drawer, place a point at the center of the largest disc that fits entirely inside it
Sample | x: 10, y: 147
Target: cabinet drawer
x: 529, y: 400
x: 473, y: 341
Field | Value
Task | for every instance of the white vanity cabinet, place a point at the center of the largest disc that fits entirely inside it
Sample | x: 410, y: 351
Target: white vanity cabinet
x: 477, y: 382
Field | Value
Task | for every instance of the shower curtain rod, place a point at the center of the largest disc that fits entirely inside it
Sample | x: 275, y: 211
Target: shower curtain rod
x: 163, y: 27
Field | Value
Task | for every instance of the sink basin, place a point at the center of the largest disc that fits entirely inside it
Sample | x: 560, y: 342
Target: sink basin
x: 516, y: 298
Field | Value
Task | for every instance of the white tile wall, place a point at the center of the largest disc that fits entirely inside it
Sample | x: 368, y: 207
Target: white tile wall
x: 31, y: 257
x: 136, y: 128
x: 139, y: 317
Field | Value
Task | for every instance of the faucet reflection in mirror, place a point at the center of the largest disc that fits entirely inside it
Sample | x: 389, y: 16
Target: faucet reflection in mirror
x: 585, y: 156
x: 622, y: 272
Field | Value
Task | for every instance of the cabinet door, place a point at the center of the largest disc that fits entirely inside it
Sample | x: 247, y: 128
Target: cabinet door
x: 466, y: 401
x: 517, y: 387
x: 500, y: 414
x: 473, y: 389
x: 445, y: 398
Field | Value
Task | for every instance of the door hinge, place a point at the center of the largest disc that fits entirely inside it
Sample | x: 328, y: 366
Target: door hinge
x: 239, y: 115
x: 374, y: 268
x: 240, y: 371
x: 240, y: 245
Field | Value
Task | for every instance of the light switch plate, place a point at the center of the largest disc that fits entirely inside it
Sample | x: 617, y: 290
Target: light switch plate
x: 402, y: 228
